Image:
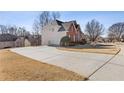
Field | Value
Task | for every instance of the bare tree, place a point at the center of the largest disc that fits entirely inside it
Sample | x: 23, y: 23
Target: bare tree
x: 3, y: 29
x: 117, y: 30
x: 45, y: 18
x: 36, y: 27
x: 122, y: 37
x: 12, y: 30
x: 23, y: 31
x: 111, y: 37
x: 19, y: 31
x: 55, y: 15
x: 94, y: 29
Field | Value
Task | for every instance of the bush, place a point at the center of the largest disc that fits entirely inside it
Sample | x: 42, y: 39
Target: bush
x: 83, y: 41
x: 72, y: 43
x: 65, y: 41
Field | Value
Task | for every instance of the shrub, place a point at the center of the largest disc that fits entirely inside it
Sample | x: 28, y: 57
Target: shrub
x: 83, y: 41
x: 65, y: 41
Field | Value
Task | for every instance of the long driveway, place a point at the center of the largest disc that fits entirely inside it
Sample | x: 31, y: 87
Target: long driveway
x: 82, y: 63
x: 113, y: 70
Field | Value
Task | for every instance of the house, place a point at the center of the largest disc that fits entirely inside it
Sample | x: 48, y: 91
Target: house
x: 27, y: 42
x: 35, y: 40
x: 32, y: 40
x: 19, y: 42
x: 7, y: 40
x: 22, y: 42
x: 53, y: 32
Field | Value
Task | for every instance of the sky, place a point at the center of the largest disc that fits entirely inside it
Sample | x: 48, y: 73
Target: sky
x: 26, y: 18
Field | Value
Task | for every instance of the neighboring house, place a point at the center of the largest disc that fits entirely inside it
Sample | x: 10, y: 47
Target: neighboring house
x: 32, y: 40
x: 27, y: 42
x: 19, y: 42
x: 22, y: 42
x: 7, y: 40
x: 56, y: 30
x: 35, y: 40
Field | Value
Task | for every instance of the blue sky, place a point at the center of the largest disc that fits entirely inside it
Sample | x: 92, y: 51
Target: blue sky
x: 27, y: 18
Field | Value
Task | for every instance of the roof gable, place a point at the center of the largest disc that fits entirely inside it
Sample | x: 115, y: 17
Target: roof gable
x: 61, y: 29
x: 59, y: 22
x: 67, y: 25
x: 64, y: 26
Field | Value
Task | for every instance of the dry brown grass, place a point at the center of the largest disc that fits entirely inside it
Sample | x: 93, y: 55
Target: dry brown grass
x: 17, y: 67
x: 100, y: 51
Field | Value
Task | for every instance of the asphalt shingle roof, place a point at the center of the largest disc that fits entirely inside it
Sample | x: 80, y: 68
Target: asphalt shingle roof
x: 64, y: 26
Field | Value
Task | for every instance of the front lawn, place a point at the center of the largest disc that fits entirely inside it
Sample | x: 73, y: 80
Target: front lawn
x: 17, y: 67
x: 100, y: 48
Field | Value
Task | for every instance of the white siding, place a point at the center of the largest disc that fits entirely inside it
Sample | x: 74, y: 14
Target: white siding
x: 19, y: 42
x: 27, y: 43
x: 51, y: 36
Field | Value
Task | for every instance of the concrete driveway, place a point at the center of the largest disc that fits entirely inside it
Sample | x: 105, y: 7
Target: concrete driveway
x: 82, y: 63
x: 113, y: 70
